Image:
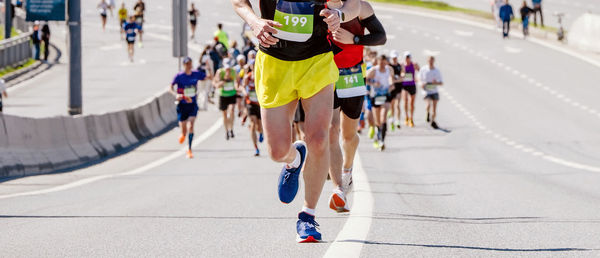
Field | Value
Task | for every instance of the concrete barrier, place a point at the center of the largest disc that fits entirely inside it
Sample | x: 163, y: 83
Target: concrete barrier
x: 10, y: 162
x: 78, y: 139
x: 51, y: 141
x: 31, y: 146
x: 20, y: 133
x: 585, y: 32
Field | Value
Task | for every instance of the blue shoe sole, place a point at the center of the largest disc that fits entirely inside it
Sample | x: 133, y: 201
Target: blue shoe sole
x: 288, y: 197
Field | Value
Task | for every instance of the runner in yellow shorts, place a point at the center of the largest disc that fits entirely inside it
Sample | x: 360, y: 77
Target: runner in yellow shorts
x: 280, y: 82
x: 296, y: 62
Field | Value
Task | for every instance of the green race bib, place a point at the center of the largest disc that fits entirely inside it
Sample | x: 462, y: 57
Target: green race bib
x: 189, y: 92
x: 351, y: 82
x: 297, y: 20
x: 430, y: 87
x: 228, y: 90
x: 408, y: 77
x: 252, y: 96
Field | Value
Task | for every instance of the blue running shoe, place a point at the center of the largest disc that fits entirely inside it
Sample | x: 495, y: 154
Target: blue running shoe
x: 288, y: 179
x: 261, y: 138
x: 307, y: 229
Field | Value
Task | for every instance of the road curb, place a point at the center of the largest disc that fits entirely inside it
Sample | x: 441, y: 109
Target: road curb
x: 24, y: 74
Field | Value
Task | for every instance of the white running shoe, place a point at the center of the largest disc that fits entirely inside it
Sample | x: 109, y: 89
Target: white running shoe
x: 347, y: 182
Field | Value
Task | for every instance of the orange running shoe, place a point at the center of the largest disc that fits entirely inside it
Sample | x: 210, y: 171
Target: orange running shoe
x: 189, y: 154
x: 181, y: 139
x: 337, y: 202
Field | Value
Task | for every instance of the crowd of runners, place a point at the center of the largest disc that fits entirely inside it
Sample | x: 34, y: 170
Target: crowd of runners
x: 131, y: 22
x: 308, y: 90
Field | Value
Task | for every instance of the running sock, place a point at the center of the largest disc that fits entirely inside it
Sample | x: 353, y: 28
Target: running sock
x: 190, y: 139
x: 383, y: 131
x: 308, y: 210
x: 296, y: 162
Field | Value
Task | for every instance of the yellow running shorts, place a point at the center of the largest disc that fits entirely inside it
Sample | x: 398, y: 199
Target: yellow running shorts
x: 280, y: 82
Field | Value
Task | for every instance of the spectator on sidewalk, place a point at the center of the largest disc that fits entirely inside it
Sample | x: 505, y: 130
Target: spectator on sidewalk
x: 525, y: 12
x: 506, y: 14
x: 2, y: 92
x: 496, y: 4
x: 222, y: 35
x: 36, y: 39
x: 46, y: 40
x: 537, y: 7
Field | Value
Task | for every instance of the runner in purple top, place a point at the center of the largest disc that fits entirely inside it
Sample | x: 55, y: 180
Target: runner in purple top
x: 185, y: 89
x: 409, y: 88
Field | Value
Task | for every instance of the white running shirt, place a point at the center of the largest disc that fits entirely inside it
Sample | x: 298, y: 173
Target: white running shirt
x: 428, y: 75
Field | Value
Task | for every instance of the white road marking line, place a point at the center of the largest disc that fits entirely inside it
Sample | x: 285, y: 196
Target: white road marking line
x: 112, y: 47
x: 464, y: 33
x: 349, y: 241
x: 532, y: 151
x: 391, y: 36
x: 512, y: 50
x: 177, y: 154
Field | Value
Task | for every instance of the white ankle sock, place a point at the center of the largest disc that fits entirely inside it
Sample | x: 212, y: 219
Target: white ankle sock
x: 309, y: 211
x: 296, y: 162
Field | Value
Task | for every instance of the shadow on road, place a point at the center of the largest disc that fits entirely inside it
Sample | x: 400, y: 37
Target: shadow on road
x: 567, y: 249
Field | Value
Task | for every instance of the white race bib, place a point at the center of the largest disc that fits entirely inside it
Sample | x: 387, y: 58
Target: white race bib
x: 380, y: 100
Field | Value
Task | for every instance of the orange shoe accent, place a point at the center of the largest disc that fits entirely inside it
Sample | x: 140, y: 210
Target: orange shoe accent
x: 189, y: 154
x: 337, y: 204
x: 181, y: 139
x: 411, y: 123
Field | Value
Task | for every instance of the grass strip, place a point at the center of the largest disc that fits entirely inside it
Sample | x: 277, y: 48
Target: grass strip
x: 11, y: 69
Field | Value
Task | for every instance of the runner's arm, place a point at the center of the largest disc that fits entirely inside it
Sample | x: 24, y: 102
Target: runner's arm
x: 262, y: 29
x: 351, y: 9
x: 391, y: 79
x: 177, y: 95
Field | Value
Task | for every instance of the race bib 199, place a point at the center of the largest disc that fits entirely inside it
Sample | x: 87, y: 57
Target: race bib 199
x: 296, y: 18
x: 351, y: 82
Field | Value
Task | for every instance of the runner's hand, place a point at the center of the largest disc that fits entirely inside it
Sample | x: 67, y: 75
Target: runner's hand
x: 332, y: 19
x: 179, y: 97
x: 263, y: 30
x: 343, y: 36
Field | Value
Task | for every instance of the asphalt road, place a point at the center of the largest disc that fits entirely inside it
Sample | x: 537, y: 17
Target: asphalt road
x: 572, y: 9
x: 516, y: 176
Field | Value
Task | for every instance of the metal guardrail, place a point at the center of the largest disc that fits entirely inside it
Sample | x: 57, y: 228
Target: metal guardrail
x: 17, y: 50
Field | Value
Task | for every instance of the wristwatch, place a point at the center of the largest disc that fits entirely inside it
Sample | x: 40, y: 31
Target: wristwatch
x: 341, y: 15
x: 356, y: 40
